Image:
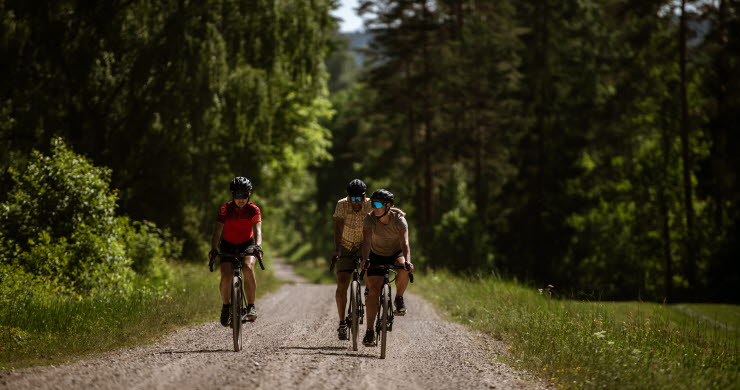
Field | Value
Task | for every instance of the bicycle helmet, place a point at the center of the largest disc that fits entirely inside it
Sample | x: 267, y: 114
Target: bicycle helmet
x: 240, y: 184
x: 382, y: 195
x: 356, y: 187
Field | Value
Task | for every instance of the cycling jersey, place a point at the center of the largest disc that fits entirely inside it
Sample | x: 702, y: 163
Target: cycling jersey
x: 238, y: 222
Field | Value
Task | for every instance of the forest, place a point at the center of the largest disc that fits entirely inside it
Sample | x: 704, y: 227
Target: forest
x: 586, y: 145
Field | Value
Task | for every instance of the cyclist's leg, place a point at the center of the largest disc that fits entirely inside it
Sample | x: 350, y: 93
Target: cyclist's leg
x: 402, y: 278
x: 227, y: 273
x: 343, y: 279
x: 374, y: 283
x: 250, y: 283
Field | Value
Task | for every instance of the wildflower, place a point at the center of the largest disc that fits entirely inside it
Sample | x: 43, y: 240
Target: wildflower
x: 600, y: 334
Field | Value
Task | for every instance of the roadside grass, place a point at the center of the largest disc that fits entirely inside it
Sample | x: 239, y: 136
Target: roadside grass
x: 314, y: 270
x: 596, y: 345
x: 40, y: 333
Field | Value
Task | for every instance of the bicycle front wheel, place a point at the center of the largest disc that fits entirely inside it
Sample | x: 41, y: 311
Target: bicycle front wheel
x: 384, y: 307
x: 354, y: 300
x: 236, y: 312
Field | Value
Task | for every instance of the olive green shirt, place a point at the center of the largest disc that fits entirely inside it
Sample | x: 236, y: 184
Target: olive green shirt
x: 386, y: 239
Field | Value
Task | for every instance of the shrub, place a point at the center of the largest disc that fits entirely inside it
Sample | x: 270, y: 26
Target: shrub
x: 59, y: 227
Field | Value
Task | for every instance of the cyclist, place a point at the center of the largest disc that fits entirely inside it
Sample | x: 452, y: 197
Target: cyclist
x: 385, y: 241
x: 348, y: 219
x: 238, y: 228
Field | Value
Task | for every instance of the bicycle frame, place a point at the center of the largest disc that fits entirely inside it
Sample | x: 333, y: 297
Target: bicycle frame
x: 384, y: 318
x: 238, y: 295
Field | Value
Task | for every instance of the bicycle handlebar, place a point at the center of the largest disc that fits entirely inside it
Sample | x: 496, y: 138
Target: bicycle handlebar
x: 249, y: 252
x: 406, y: 266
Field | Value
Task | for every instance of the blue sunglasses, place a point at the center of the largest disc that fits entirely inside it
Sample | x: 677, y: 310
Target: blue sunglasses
x: 355, y: 199
x: 241, y: 196
x: 378, y: 205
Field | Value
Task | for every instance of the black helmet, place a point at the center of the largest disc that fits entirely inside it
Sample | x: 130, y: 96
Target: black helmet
x: 356, y: 187
x: 240, y: 184
x: 382, y: 195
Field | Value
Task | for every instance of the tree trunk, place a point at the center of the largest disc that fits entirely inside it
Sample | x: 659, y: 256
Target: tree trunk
x: 690, y: 262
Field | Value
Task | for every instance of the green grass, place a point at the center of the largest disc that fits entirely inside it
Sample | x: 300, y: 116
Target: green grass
x: 597, y: 345
x: 314, y: 270
x: 38, y: 333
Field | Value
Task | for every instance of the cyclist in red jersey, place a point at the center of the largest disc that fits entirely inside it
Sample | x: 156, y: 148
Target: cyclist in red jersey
x: 238, y: 228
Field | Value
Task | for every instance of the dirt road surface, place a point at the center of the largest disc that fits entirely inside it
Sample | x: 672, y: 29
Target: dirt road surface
x: 293, y: 345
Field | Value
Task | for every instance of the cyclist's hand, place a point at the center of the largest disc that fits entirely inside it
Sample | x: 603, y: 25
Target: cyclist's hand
x: 333, y: 260
x: 212, y: 257
x: 409, y: 266
x: 256, y: 250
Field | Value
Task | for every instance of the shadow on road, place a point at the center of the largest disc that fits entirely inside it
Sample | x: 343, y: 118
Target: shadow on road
x: 327, y: 351
x: 194, y: 351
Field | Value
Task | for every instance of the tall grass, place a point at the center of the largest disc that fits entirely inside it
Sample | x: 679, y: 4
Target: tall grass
x: 34, y: 332
x: 596, y: 345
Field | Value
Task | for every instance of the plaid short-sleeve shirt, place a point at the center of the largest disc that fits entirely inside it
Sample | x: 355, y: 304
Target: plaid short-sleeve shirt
x: 353, y: 222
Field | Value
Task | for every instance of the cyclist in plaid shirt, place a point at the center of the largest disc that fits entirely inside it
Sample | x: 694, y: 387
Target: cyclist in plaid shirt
x: 348, y: 221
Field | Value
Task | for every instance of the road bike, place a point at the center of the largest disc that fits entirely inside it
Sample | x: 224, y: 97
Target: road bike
x: 384, y: 319
x: 238, y: 302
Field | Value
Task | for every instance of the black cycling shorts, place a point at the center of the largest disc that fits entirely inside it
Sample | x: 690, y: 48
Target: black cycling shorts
x: 227, y: 247
x: 376, y: 259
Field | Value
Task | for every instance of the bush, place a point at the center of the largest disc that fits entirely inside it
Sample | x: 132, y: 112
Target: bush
x: 58, y: 227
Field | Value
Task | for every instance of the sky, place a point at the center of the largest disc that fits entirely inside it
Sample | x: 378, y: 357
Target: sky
x: 350, y: 21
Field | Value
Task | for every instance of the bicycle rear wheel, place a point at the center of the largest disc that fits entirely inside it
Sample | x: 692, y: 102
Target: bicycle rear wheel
x: 354, y: 297
x: 236, y: 312
x: 384, y: 307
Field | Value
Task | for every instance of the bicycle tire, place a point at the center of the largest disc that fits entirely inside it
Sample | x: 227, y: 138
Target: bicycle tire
x: 354, y: 296
x: 236, y: 309
x: 384, y: 307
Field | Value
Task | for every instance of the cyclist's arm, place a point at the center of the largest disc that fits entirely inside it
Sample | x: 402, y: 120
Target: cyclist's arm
x: 338, y: 230
x: 257, y: 230
x: 218, y: 230
x: 367, y: 235
x: 405, y: 248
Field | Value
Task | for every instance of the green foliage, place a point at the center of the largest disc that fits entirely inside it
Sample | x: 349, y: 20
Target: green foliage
x: 175, y: 97
x: 561, y: 123
x: 59, y: 223
x: 61, y: 235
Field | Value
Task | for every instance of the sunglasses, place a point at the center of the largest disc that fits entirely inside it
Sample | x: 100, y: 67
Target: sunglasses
x: 355, y: 199
x: 377, y: 205
x: 241, y: 196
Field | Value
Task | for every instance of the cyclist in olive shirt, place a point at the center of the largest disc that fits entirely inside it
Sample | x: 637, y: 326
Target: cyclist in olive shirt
x: 385, y: 241
x: 348, y: 219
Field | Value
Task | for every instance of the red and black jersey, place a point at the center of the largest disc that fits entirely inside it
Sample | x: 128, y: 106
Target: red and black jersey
x: 238, y: 222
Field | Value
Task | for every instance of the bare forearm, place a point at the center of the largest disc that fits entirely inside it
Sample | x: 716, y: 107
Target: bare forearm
x: 338, y: 230
x: 258, y: 233
x: 405, y: 247
x: 406, y: 252
x: 216, y: 238
x: 366, y: 238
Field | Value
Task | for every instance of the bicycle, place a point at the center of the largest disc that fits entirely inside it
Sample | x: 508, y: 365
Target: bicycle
x: 356, y: 310
x: 384, y: 319
x: 238, y: 304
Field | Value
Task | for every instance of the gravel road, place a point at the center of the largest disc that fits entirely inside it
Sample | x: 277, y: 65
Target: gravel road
x: 293, y: 345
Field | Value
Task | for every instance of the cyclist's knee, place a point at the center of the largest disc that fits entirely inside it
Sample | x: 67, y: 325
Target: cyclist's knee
x: 249, y: 262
